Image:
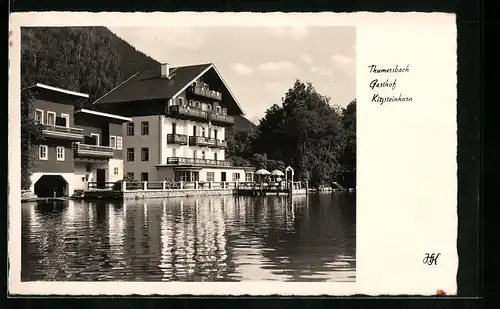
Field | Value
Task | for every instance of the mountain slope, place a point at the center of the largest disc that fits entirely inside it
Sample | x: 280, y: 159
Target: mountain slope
x: 91, y: 60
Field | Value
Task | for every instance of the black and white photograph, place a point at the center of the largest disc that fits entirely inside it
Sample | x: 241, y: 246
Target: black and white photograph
x: 188, y: 154
x: 241, y: 154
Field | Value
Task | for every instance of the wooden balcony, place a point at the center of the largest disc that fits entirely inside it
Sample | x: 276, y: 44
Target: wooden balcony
x: 180, y: 139
x: 207, y: 93
x: 184, y: 112
x: 202, y: 141
x: 62, y: 132
x: 92, y: 151
x: 197, y: 162
x: 221, y: 144
x: 221, y: 119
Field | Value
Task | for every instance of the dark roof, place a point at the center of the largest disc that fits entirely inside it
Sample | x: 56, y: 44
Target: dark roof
x: 149, y: 85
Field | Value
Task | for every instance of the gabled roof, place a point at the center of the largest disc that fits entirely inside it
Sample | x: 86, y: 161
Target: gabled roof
x: 60, y: 90
x: 148, y: 85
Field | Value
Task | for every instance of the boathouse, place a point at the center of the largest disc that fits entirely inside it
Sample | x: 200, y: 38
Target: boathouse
x: 76, y: 146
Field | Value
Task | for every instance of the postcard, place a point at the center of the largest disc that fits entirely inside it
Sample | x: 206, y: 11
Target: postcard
x: 232, y: 154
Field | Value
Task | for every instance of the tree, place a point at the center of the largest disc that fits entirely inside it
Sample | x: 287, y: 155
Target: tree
x: 348, y: 159
x: 304, y: 132
x: 30, y: 130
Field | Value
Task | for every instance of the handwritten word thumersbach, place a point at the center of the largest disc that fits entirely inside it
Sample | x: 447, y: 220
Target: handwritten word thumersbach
x: 397, y: 69
x: 376, y: 83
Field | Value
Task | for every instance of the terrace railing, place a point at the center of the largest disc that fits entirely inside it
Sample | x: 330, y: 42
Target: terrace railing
x: 62, y: 132
x: 86, y: 150
x: 197, y: 162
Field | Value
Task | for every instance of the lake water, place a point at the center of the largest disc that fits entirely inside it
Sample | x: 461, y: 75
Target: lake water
x: 222, y: 238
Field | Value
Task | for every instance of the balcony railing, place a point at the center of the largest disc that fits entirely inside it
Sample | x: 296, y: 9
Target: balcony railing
x: 62, y: 132
x: 212, y: 94
x: 221, y: 144
x: 202, y: 141
x: 185, y: 112
x: 86, y: 150
x: 197, y: 162
x: 180, y: 139
x: 220, y: 118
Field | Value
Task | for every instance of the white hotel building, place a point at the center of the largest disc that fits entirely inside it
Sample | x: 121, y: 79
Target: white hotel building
x: 180, y: 116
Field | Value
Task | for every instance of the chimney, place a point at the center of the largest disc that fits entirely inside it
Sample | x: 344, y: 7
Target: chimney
x: 165, y: 70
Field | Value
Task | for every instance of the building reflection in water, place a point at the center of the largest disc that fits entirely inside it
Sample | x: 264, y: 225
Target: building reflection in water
x: 223, y: 238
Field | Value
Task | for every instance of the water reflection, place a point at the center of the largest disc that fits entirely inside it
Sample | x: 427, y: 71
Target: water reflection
x: 222, y: 238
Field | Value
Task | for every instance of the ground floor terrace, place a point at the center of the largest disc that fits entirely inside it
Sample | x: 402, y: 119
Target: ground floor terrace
x: 164, y: 189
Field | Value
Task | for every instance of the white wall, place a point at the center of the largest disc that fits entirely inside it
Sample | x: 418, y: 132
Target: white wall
x: 137, y: 141
x: 80, y: 172
x: 186, y: 127
x: 111, y: 177
x: 218, y: 171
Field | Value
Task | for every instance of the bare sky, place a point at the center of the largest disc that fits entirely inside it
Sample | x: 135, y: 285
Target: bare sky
x: 259, y: 64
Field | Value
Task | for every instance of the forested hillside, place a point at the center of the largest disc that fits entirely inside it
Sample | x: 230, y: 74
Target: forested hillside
x: 91, y: 60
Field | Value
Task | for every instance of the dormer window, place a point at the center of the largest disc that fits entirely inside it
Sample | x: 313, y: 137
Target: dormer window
x: 218, y: 109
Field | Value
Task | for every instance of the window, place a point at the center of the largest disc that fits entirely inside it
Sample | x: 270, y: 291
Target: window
x: 96, y: 136
x: 209, y: 132
x: 130, y: 176
x: 248, y: 177
x: 43, y: 152
x: 215, y: 156
x: 215, y: 134
x: 144, y: 154
x: 119, y: 143
x: 203, y: 155
x: 194, y: 154
x: 210, y: 176
x: 181, y: 101
x: 144, y: 177
x: 60, y: 153
x: 130, y: 154
x: 51, y: 118
x: 145, y: 128
x: 112, y: 142
x: 203, y: 132
x: 65, y: 117
x: 130, y: 129
x: 186, y: 176
x: 115, y: 170
x: 236, y: 176
x: 217, y: 109
x: 174, y: 128
x: 39, y: 116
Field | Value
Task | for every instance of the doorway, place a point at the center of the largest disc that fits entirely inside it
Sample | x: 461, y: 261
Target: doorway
x: 223, y: 176
x: 101, y: 178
